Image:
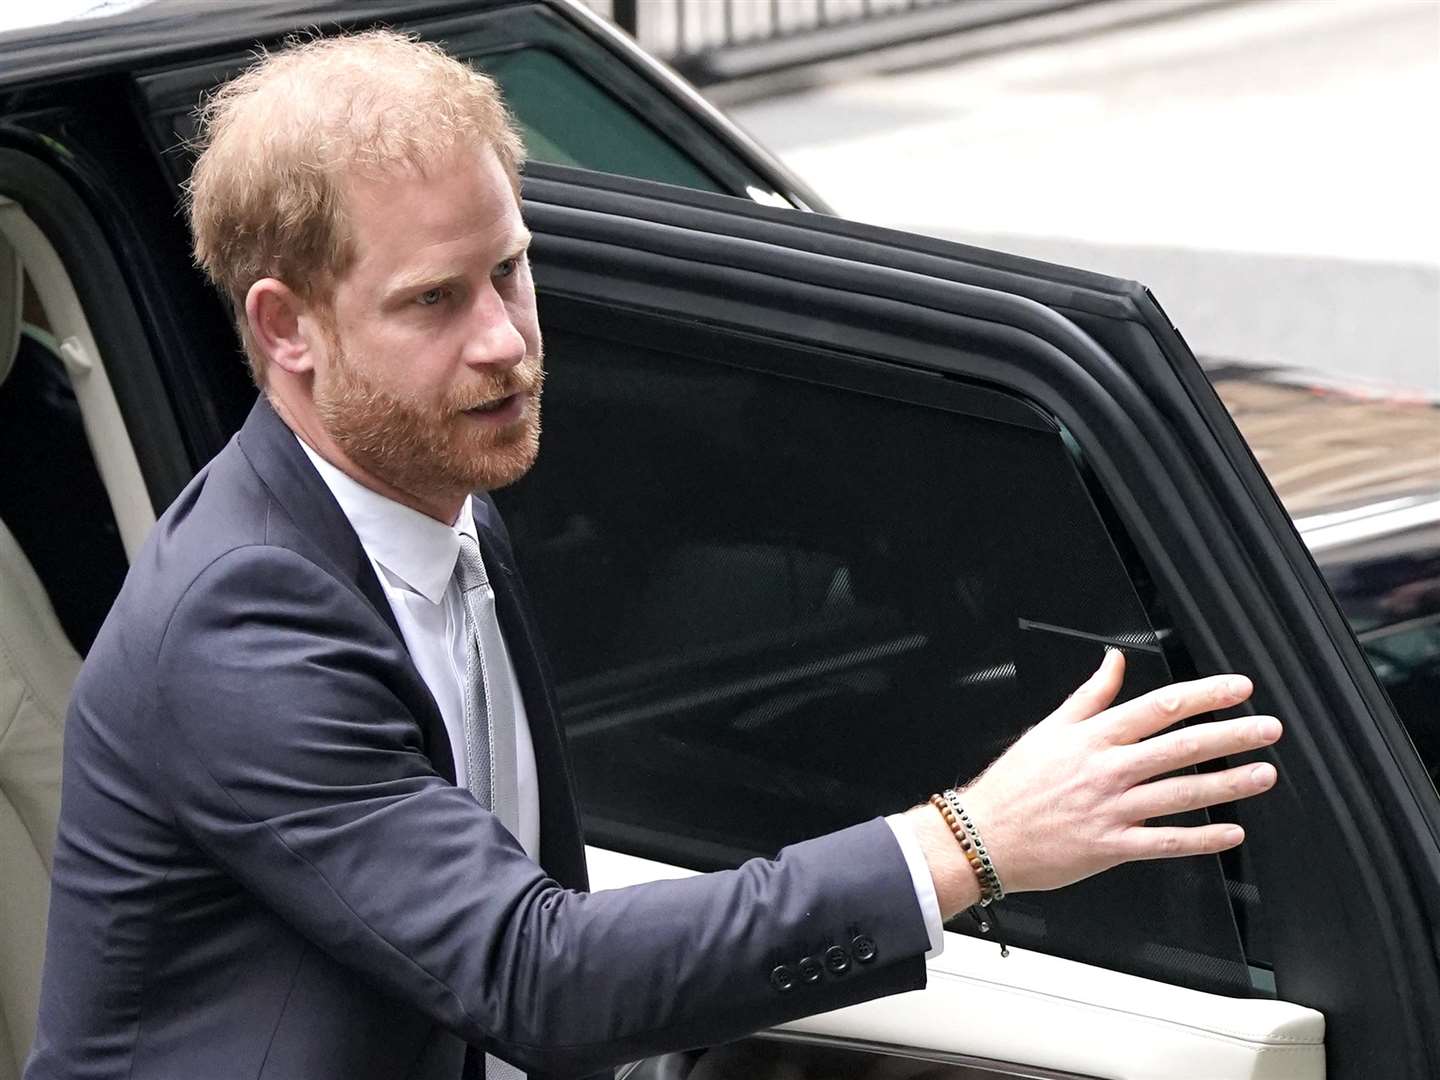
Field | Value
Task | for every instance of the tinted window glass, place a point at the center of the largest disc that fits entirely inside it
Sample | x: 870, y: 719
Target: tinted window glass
x: 569, y: 120
x: 777, y: 608
x: 566, y: 117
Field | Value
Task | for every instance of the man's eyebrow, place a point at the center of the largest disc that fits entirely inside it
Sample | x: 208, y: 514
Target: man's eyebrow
x: 522, y: 241
x: 433, y: 277
x: 419, y: 281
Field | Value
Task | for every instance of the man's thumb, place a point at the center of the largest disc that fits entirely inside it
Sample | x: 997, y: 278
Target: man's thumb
x: 1098, y: 691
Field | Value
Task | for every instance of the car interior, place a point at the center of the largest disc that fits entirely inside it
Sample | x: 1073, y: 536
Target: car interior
x: 38, y: 665
x: 63, y: 557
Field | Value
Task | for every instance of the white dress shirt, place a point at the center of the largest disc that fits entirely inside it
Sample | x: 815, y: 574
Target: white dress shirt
x: 414, y: 557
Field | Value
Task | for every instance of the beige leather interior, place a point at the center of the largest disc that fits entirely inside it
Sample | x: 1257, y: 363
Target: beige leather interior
x: 37, y: 668
x: 104, y: 427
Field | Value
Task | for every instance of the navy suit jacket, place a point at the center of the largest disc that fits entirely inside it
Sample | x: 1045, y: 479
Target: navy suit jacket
x: 264, y: 868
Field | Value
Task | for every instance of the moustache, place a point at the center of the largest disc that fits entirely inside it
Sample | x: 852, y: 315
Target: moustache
x: 527, y: 377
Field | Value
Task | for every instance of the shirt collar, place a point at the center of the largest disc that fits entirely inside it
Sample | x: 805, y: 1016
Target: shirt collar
x: 417, y: 552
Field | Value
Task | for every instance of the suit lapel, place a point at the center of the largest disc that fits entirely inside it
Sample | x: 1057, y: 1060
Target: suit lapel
x: 562, y: 852
x: 275, y: 454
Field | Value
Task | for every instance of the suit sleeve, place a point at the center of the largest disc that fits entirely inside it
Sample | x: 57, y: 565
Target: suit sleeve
x: 289, y: 757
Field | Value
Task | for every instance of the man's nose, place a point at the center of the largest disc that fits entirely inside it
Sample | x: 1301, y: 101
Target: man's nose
x: 494, y: 340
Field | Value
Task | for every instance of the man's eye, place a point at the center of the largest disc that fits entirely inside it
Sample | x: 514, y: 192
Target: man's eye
x: 431, y: 297
x: 506, y: 268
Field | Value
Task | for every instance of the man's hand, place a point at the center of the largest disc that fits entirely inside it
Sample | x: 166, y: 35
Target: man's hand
x: 1070, y: 798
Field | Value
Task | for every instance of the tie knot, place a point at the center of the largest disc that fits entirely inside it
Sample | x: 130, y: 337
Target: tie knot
x: 469, y: 567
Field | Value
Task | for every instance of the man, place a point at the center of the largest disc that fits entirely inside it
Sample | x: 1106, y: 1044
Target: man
x: 317, y: 820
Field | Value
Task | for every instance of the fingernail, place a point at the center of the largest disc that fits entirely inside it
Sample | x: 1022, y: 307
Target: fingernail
x: 1262, y: 774
x: 1235, y: 835
x: 1268, y: 728
x: 1238, y: 685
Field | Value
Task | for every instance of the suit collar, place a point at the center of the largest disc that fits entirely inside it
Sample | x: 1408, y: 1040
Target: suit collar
x: 282, y: 465
x: 417, y: 552
x: 276, y: 455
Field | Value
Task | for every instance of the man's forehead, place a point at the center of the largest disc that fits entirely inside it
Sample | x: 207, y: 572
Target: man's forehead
x: 465, y: 201
x: 460, y: 169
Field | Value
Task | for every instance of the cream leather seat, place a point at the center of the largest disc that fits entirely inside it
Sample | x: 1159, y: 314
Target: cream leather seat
x: 37, y: 669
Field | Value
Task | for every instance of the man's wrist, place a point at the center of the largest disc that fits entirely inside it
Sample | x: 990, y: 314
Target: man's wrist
x: 956, y: 886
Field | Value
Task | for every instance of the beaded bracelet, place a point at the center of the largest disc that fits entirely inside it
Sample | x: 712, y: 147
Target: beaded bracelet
x: 989, y: 876
x: 961, y: 824
x: 966, y: 845
x: 968, y: 836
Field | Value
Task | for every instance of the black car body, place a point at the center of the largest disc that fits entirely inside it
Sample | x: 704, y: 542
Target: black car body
x: 840, y: 488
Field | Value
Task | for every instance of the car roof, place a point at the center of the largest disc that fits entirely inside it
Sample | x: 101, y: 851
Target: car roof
x: 170, y: 31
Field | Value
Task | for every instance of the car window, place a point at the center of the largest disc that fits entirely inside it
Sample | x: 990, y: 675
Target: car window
x: 567, y: 114
x: 568, y: 119
x: 778, y: 607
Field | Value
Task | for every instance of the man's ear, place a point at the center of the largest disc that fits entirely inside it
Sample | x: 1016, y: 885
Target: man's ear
x: 280, y: 324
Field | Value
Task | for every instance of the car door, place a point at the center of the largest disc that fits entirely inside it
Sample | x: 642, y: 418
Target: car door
x: 826, y: 515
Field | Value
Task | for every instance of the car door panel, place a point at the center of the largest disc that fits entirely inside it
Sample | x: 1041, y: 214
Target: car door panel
x: 750, y: 656
x: 1028, y: 1010
x: 1348, y: 834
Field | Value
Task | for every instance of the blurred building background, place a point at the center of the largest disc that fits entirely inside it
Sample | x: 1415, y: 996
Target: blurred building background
x: 1269, y: 168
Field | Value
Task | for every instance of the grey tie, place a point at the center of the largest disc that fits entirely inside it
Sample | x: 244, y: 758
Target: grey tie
x: 489, y: 717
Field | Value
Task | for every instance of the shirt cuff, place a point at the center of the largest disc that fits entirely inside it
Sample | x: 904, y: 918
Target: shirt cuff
x: 904, y: 830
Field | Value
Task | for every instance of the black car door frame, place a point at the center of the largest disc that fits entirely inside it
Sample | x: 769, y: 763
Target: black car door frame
x: 1346, y: 850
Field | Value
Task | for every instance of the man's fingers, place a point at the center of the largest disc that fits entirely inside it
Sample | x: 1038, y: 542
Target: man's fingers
x: 1195, y: 745
x: 1140, y: 842
x: 1168, y: 705
x: 1097, y: 692
x: 1194, y: 791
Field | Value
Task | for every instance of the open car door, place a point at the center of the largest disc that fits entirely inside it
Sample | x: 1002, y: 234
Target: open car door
x: 827, y: 515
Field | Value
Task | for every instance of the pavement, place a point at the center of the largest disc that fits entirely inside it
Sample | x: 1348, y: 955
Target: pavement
x: 1271, y: 169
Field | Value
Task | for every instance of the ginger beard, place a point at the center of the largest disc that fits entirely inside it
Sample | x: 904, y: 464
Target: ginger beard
x: 429, y: 449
